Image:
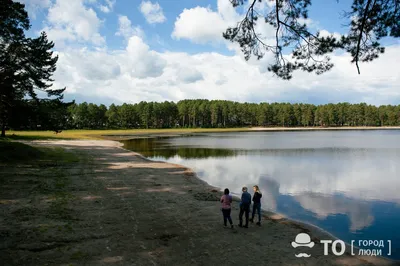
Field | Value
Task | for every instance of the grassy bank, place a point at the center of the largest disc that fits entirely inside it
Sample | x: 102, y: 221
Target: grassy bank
x: 101, y: 134
x: 18, y: 153
x: 113, y: 134
x: 37, y: 200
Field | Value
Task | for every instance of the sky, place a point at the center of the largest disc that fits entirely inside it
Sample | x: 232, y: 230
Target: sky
x: 127, y: 51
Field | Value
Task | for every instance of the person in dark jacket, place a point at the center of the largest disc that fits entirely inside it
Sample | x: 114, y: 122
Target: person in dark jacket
x: 256, y: 204
x: 244, y: 207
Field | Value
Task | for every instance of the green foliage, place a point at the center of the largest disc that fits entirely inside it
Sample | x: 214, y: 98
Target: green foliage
x: 370, y: 21
x: 221, y: 114
x: 13, y: 20
x: 43, y: 114
x: 26, y: 64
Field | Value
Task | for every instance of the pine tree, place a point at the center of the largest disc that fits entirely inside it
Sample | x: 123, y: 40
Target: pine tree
x: 26, y: 64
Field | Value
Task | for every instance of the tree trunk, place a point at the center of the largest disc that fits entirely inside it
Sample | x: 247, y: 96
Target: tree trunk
x: 3, y: 129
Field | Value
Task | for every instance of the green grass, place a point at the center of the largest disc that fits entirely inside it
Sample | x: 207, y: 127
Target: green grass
x: 51, y: 160
x: 57, y: 155
x: 99, y: 134
x: 16, y: 152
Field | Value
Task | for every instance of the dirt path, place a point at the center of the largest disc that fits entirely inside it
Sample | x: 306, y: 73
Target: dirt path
x: 117, y: 208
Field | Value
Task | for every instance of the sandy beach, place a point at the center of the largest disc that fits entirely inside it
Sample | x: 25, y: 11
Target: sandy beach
x: 132, y: 211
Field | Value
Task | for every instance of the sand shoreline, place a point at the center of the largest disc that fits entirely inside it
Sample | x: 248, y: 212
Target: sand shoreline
x: 158, y: 213
x: 304, y: 226
x: 268, y: 214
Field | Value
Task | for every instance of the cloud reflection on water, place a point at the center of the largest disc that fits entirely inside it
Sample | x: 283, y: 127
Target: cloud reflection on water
x: 344, y: 182
x: 351, y: 198
x: 369, y: 178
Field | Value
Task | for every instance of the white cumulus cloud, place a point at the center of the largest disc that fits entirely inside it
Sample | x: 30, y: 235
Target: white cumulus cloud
x: 127, y: 30
x: 138, y: 73
x: 71, y: 20
x: 203, y: 25
x: 142, y: 62
x: 152, y: 12
x: 200, y: 25
x: 108, y: 6
x: 35, y: 6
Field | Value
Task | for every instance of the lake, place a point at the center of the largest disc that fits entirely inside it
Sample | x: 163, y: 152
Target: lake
x: 345, y: 182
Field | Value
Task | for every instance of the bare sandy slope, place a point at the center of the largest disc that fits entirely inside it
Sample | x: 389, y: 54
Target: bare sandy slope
x: 127, y: 210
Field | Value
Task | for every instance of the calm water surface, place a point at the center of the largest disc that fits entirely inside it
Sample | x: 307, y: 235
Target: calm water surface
x: 346, y: 182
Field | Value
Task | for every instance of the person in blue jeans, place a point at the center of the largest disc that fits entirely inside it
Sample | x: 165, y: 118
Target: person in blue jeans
x: 226, y: 202
x: 244, y: 207
x: 256, y: 204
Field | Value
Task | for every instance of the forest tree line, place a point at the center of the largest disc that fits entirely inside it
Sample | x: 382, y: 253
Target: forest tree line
x: 201, y: 113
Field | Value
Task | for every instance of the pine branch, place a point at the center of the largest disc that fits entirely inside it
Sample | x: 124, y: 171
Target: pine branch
x: 361, y: 34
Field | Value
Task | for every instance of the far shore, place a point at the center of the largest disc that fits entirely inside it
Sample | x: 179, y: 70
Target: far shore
x: 121, y: 134
x: 129, y: 210
x: 177, y: 133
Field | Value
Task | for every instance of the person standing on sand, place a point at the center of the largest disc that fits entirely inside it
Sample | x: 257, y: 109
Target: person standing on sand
x: 244, y: 207
x: 226, y: 201
x: 256, y: 204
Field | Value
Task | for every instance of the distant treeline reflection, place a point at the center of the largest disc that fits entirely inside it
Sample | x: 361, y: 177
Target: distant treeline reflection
x: 160, y: 147
x: 153, y: 148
